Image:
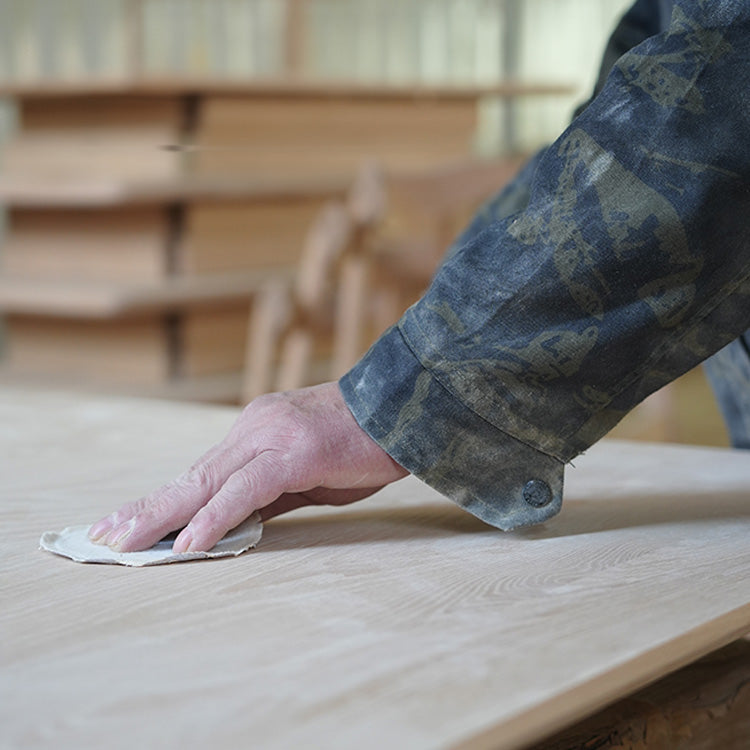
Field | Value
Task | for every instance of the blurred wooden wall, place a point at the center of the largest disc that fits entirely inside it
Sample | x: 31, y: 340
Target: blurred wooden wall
x: 434, y: 41
x: 399, y: 41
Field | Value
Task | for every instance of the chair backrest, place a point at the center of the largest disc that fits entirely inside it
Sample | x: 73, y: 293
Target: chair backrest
x: 326, y: 242
x: 288, y: 322
x: 366, y: 201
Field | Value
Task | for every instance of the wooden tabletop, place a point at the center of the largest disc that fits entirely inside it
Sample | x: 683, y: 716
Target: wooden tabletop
x: 401, y: 621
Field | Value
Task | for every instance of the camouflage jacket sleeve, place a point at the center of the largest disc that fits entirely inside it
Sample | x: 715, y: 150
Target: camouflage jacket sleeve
x: 628, y: 265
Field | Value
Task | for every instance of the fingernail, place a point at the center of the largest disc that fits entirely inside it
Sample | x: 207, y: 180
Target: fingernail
x: 183, y: 541
x: 120, y: 534
x: 100, y: 528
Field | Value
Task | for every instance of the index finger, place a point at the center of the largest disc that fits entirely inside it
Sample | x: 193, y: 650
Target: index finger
x: 252, y: 487
x: 141, y: 524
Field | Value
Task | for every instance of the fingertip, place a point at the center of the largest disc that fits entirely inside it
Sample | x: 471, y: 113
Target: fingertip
x: 118, y: 537
x: 184, y: 541
x: 100, y: 529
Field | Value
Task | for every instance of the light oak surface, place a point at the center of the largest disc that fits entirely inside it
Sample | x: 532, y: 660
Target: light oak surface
x: 399, y: 622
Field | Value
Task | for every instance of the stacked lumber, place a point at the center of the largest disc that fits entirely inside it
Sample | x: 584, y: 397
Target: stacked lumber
x: 75, y: 278
x: 312, y: 135
x: 131, y: 265
x: 50, y: 250
x: 111, y: 135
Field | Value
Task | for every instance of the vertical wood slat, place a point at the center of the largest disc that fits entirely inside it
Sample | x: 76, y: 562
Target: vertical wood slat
x: 509, y: 60
x: 444, y: 49
x: 294, y: 37
x: 135, y: 37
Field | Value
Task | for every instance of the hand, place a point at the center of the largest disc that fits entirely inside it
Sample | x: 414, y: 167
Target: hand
x: 285, y: 450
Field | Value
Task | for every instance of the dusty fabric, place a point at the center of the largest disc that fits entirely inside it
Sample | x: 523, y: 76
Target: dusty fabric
x: 617, y: 261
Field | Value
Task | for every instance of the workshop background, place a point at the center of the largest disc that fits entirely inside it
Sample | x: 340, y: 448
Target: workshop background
x: 320, y: 155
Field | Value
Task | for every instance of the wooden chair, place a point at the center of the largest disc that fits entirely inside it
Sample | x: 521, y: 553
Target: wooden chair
x: 356, y: 277
x: 289, y: 322
x: 387, y: 270
x: 367, y: 208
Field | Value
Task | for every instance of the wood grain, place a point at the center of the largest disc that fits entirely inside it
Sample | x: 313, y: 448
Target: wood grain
x: 243, y: 236
x: 135, y: 352
x: 213, y: 341
x: 93, y: 245
x: 401, y: 621
x: 328, y: 135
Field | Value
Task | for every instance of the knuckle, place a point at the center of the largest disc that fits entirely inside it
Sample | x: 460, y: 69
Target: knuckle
x: 200, y: 477
x: 240, y: 484
x: 211, y: 517
x: 125, y: 513
x: 264, y: 411
x: 151, y: 510
x: 260, y: 404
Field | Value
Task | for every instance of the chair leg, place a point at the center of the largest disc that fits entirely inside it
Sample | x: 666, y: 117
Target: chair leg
x: 351, y: 313
x: 269, y: 316
x: 294, y: 361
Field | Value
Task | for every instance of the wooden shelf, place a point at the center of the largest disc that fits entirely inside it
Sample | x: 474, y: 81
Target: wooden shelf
x: 297, y: 88
x: 429, y: 186
x: 28, y: 192
x: 100, y: 300
x: 133, y: 265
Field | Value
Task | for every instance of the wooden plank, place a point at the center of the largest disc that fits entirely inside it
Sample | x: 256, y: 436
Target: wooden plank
x: 136, y: 352
x: 286, y: 136
x: 96, y: 137
x: 87, y: 245
x: 426, y: 191
x: 106, y: 300
x: 159, y: 87
x: 124, y: 154
x: 26, y: 191
x: 244, y: 236
x: 101, y: 113
x: 401, y: 621
x: 212, y: 341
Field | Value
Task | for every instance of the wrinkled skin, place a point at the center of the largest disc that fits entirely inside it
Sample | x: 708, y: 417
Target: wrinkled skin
x: 286, y: 450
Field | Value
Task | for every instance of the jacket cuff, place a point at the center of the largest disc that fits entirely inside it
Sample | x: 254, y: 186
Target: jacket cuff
x: 446, y: 444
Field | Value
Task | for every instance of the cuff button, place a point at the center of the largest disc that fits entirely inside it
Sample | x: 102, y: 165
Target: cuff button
x: 537, y: 493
